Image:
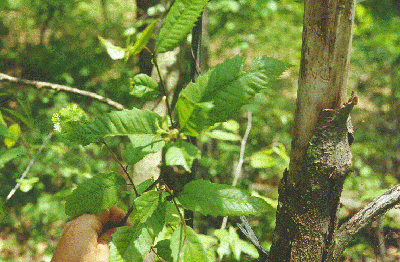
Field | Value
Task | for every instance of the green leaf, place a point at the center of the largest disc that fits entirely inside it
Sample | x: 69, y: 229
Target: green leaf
x: 220, y: 200
x: 95, y: 194
x: 144, y: 185
x: 227, y: 88
x: 231, y: 242
x: 27, y: 183
x: 262, y: 159
x: 178, y: 23
x: 193, y: 117
x: 15, y: 131
x: 115, y: 52
x: 164, y: 250
x: 144, y: 87
x: 224, y: 241
x: 4, y: 131
x: 28, y: 122
x: 240, y: 246
x: 145, y: 205
x: 133, y: 242
x: 186, y: 246
x: 6, y: 155
x: 181, y: 153
x: 140, y: 146
x: 142, y: 40
x: 263, y: 72
x: 116, y: 123
x: 223, y: 135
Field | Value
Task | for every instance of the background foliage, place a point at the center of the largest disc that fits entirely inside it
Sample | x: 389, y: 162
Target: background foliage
x: 57, y: 41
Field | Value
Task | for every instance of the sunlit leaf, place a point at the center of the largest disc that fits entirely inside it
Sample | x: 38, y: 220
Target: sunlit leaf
x: 142, y: 40
x: 116, y: 123
x: 15, y: 131
x: 223, y: 135
x: 227, y: 88
x: 115, y: 52
x: 140, y: 146
x: 181, y: 153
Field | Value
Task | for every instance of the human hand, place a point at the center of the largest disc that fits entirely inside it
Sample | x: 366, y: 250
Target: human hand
x: 82, y: 239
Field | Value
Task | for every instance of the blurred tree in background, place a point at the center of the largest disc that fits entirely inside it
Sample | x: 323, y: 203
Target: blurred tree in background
x: 57, y: 42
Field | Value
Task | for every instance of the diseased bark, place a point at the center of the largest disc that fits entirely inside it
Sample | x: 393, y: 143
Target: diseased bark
x: 325, y: 57
x: 309, y: 193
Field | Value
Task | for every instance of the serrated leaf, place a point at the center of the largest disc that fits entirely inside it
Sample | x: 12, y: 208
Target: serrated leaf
x: 115, y: 52
x: 144, y: 87
x: 227, y: 88
x: 116, y: 123
x: 95, y: 194
x: 182, y: 154
x: 7, y: 155
x: 178, y: 23
x: 145, y: 205
x: 220, y: 200
x: 263, y: 72
x: 133, y: 242
x: 142, y: 40
x: 193, y: 117
x: 140, y: 146
x: 186, y: 246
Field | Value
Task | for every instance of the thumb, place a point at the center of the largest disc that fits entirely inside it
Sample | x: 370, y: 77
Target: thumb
x: 106, y: 237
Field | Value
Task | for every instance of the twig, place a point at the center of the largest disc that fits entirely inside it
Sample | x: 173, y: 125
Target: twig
x: 122, y: 166
x: 57, y: 87
x: 363, y: 218
x: 12, y: 192
x: 238, y: 169
x: 164, y: 89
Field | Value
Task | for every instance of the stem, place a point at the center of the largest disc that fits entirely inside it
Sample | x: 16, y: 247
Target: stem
x: 164, y: 89
x: 238, y: 169
x: 122, y: 166
x: 173, y: 200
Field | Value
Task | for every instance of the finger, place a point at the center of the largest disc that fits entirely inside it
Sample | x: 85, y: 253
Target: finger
x: 112, y: 216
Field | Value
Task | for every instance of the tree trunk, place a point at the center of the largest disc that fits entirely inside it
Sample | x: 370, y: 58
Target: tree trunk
x: 309, y: 193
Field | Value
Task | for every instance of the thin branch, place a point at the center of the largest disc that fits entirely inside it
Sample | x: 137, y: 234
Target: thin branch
x: 12, y: 192
x: 164, y: 89
x: 238, y: 169
x: 57, y: 87
x: 363, y: 218
x: 122, y: 166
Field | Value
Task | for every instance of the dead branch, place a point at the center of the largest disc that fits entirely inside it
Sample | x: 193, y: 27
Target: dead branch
x: 363, y: 218
x: 57, y: 87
